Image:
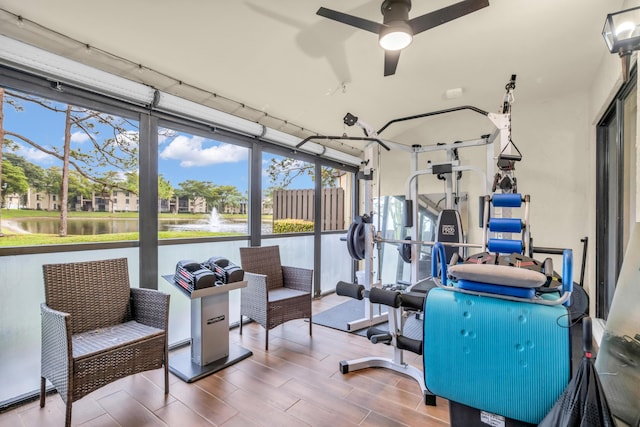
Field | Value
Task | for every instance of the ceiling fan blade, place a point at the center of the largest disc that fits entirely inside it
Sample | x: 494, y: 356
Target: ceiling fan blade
x: 354, y: 21
x: 446, y: 14
x: 391, y: 58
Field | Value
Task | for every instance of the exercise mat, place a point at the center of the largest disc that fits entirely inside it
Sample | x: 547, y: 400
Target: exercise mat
x: 338, y: 317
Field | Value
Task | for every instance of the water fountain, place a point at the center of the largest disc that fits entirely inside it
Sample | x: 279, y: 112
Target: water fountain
x: 214, y: 220
x: 213, y: 223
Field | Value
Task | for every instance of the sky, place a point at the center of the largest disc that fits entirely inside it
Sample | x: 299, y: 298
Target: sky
x: 181, y: 156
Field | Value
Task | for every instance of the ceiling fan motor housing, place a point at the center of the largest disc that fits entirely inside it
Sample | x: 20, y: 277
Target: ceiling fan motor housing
x: 395, y: 10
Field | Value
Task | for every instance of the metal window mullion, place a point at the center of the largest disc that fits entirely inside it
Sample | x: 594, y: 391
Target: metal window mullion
x: 317, y: 231
x: 255, y: 195
x: 148, y: 208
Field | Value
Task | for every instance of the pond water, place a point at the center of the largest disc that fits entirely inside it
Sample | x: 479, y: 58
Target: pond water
x: 84, y: 226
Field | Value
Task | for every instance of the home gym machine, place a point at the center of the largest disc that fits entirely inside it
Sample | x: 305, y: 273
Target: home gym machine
x: 362, y: 237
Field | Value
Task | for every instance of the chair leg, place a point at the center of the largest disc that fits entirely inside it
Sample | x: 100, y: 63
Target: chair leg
x: 166, y: 372
x: 67, y: 421
x: 266, y: 339
x: 241, y: 324
x: 43, y: 390
x: 310, y: 325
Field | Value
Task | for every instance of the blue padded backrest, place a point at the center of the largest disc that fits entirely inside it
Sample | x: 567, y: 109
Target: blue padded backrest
x: 505, y: 357
x: 491, y: 288
x: 505, y: 225
x: 506, y: 200
x: 504, y: 246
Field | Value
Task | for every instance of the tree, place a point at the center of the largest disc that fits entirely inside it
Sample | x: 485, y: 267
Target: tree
x: 109, y: 181
x: 228, y: 196
x: 111, y: 144
x: 194, y: 189
x: 80, y: 188
x: 132, y: 182
x: 14, y: 181
x: 53, y: 179
x: 34, y: 173
x: 283, y: 172
x: 165, y: 190
x: 65, y: 172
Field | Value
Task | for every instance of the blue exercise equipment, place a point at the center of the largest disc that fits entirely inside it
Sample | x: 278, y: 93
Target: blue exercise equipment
x: 496, y: 349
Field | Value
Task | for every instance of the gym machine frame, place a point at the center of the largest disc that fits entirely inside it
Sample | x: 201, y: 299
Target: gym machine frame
x: 503, y: 124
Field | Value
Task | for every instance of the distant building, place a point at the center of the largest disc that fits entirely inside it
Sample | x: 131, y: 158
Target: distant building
x: 116, y: 201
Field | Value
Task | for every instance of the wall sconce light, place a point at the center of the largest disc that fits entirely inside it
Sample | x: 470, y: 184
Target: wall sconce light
x: 621, y: 32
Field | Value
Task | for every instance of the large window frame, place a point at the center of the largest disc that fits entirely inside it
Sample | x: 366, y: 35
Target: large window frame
x: 611, y: 209
x: 145, y: 270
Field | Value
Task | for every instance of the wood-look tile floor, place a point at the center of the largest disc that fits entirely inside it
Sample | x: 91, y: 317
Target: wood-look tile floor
x: 296, y: 383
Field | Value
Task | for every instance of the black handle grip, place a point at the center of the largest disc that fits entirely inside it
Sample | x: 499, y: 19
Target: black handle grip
x: 587, y: 336
x: 350, y: 290
x: 381, y: 296
x: 408, y: 213
x: 412, y: 301
x: 404, y: 343
x: 377, y: 336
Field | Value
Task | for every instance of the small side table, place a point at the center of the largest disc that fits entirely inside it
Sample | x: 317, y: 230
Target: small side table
x: 210, y: 347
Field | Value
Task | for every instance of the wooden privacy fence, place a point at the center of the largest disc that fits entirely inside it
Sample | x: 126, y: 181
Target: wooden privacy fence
x: 298, y: 204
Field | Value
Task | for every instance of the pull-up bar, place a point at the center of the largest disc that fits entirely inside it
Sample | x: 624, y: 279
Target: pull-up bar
x: 350, y: 138
x: 433, y: 113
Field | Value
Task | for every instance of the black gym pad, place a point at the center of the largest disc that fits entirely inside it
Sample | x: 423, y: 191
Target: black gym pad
x: 339, y: 316
x: 412, y: 328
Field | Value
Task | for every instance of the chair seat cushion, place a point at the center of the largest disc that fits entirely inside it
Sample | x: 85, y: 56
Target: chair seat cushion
x: 280, y: 294
x: 89, y: 343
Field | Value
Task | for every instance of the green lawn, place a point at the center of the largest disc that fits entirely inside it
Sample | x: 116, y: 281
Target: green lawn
x: 10, y: 239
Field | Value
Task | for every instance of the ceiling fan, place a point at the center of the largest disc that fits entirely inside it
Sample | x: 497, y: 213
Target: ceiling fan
x: 397, y: 30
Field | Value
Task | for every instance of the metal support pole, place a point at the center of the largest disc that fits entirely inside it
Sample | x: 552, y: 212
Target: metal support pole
x: 369, y: 318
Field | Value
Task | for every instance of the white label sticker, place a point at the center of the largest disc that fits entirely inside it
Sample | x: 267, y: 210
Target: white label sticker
x: 449, y: 230
x: 492, y: 419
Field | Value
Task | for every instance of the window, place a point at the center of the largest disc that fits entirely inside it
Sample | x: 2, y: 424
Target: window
x: 392, y: 215
x: 103, y: 161
x: 190, y: 156
x: 615, y: 191
x: 202, y: 185
x: 337, y: 206
x: 288, y: 188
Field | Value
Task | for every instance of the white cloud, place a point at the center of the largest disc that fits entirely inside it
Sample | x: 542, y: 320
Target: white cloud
x: 191, y: 153
x: 165, y: 134
x: 34, y: 155
x: 79, y: 137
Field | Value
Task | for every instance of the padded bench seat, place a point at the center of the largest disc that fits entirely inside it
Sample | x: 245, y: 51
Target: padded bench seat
x: 280, y: 294
x: 87, y: 344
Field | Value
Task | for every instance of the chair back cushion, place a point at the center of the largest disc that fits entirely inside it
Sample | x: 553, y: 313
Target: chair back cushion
x: 263, y: 260
x: 95, y: 293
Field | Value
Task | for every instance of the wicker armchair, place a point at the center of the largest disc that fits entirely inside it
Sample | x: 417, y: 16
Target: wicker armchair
x: 96, y: 329
x: 274, y: 294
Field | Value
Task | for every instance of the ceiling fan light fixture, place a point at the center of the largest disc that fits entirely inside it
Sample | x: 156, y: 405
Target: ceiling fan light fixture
x: 396, y: 36
x: 396, y: 30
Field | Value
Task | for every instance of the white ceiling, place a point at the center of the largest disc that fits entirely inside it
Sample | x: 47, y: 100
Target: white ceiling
x: 281, y: 59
